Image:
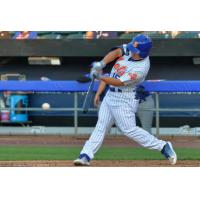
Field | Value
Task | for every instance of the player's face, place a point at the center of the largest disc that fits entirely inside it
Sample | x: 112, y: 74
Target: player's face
x: 135, y: 44
x: 136, y: 56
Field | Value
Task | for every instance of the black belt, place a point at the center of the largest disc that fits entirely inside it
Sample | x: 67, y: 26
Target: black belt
x: 115, y: 90
x: 118, y: 90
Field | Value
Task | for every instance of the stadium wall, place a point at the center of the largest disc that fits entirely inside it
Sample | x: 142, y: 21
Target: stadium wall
x: 93, y: 48
x: 168, y: 59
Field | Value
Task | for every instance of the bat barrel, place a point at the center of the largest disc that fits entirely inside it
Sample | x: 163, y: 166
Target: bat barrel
x: 88, y: 97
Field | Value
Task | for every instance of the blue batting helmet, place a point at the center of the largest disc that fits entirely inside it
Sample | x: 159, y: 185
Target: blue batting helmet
x: 140, y: 44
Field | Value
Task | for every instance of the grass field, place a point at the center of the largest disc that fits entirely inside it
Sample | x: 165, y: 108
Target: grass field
x: 115, y: 153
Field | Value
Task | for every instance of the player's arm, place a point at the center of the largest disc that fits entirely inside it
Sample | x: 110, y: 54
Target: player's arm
x: 112, y: 55
x: 111, y: 81
x: 100, y: 90
x: 128, y: 78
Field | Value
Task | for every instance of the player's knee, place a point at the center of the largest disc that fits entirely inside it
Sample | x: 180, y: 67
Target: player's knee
x: 131, y: 131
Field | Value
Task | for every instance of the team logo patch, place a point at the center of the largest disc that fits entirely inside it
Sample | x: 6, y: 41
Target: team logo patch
x: 132, y: 76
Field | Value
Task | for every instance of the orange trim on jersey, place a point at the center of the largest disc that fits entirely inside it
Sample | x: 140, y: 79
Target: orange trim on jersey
x: 121, y: 58
x: 132, y: 76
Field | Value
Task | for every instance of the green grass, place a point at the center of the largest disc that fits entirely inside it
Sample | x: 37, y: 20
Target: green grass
x: 113, y: 153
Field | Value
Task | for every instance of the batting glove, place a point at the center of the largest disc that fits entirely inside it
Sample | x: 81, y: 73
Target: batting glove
x: 98, y: 65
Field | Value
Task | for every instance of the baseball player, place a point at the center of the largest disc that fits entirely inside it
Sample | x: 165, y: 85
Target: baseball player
x: 120, y: 103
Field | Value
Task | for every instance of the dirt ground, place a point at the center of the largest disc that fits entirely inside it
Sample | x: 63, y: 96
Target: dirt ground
x: 112, y: 141
x: 101, y: 163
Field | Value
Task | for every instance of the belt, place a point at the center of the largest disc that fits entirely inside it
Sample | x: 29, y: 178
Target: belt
x: 118, y: 90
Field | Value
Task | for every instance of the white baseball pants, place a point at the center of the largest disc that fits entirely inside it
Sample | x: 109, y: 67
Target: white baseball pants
x: 119, y: 108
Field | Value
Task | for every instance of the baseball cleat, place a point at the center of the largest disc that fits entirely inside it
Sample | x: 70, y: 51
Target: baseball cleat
x: 83, y: 160
x: 169, y: 153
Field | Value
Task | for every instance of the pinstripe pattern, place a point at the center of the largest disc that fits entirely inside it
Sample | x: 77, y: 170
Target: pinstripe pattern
x: 120, y: 107
x: 103, y: 126
x: 125, y: 119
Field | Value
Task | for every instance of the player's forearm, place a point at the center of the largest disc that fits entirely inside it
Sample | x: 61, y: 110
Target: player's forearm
x: 112, y: 81
x: 112, y: 56
x: 101, y: 88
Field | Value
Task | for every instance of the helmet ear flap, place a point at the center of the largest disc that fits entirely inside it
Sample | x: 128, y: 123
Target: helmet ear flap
x: 143, y: 54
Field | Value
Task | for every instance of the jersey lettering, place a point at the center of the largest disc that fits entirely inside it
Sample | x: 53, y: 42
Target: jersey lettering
x: 121, y: 70
x: 116, y: 66
x: 115, y: 76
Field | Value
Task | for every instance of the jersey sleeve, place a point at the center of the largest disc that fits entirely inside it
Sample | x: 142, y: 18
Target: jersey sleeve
x: 131, y: 77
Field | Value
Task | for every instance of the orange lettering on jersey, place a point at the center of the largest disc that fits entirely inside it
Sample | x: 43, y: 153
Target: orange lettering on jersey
x: 121, y: 70
x: 132, y: 76
x: 116, y: 66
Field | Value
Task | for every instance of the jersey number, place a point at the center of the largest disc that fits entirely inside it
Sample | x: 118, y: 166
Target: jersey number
x: 115, y: 76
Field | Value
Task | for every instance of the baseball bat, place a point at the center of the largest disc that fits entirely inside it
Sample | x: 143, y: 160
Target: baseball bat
x: 88, y: 97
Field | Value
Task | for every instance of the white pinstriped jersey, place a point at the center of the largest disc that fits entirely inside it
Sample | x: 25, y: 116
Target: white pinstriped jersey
x: 130, y: 72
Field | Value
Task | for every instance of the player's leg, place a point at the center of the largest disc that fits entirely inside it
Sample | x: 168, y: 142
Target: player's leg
x: 103, y: 126
x: 125, y: 120
x: 146, y: 116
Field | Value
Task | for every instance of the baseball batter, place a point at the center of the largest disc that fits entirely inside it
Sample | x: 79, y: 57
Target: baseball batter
x: 120, y: 103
